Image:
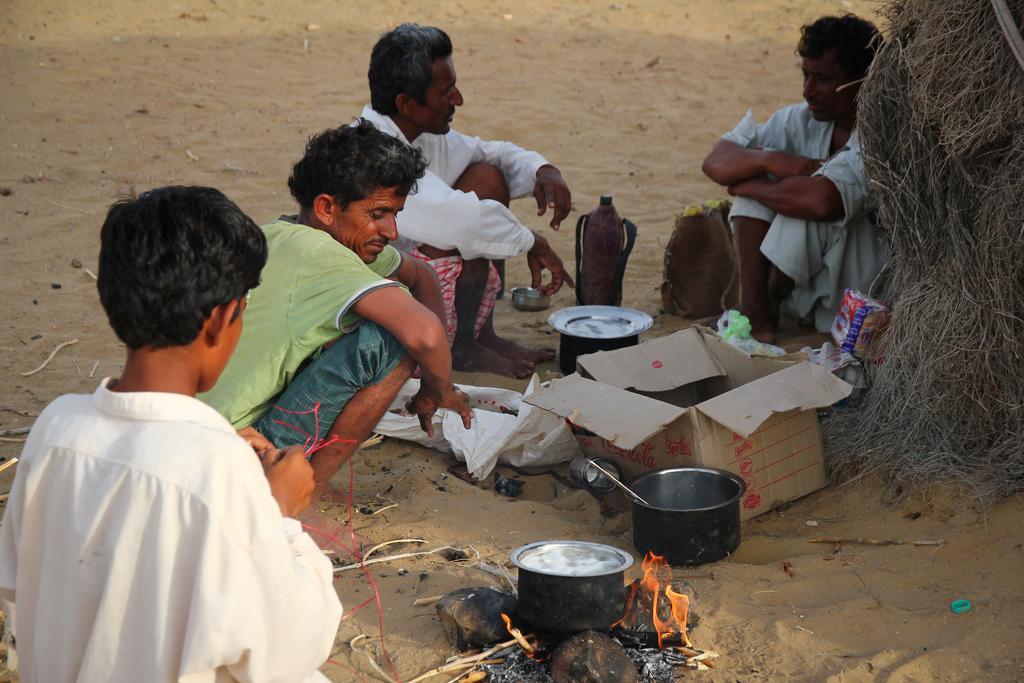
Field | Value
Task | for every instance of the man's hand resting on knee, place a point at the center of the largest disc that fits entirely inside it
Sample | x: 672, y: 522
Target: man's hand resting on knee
x: 551, y: 192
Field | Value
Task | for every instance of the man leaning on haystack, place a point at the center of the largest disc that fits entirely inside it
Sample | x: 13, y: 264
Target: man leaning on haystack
x: 800, y: 213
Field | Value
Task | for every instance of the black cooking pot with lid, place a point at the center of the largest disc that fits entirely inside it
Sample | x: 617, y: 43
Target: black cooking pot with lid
x: 589, y: 329
x: 692, y: 516
x: 570, y: 586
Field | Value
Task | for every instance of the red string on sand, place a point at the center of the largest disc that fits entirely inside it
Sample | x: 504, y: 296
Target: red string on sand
x: 362, y: 565
x: 312, y: 444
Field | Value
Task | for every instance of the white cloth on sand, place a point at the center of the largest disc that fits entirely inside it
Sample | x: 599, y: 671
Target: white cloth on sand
x: 445, y: 218
x: 141, y: 543
x: 822, y: 258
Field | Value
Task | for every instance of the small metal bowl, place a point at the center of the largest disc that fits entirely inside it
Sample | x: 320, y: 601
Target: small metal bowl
x: 529, y: 299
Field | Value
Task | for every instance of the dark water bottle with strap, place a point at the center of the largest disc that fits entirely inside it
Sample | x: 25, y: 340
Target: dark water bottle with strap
x: 603, y: 243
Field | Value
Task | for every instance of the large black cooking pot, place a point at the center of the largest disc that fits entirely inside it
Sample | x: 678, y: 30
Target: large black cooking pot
x: 692, y: 516
x: 589, y: 329
x: 570, y: 586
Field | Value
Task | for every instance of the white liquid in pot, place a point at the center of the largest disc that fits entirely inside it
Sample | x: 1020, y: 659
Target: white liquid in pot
x: 561, y: 559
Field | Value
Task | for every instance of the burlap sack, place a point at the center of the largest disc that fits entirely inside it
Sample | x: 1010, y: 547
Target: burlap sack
x: 701, y: 276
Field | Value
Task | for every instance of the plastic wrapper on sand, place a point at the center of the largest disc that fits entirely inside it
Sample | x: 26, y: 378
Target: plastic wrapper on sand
x: 505, y: 430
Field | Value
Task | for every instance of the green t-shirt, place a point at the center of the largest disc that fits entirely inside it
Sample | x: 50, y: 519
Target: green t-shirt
x: 304, y: 300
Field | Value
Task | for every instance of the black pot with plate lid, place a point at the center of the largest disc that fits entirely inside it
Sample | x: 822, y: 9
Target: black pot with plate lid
x: 589, y: 329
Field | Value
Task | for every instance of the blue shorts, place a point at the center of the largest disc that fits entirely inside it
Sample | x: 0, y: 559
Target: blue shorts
x: 361, y: 358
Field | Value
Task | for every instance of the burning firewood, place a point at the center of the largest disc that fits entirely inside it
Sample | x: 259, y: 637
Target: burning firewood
x: 653, y: 606
x: 517, y: 634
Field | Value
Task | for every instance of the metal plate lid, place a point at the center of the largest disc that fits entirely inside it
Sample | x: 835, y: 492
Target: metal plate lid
x: 600, y: 322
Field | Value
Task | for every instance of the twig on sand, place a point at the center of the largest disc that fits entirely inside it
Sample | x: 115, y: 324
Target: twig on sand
x: 9, y: 463
x: 18, y: 439
x: 93, y: 371
x: 90, y: 274
x: 50, y: 357
x: 465, y: 662
x: 23, y: 413
x: 389, y: 558
x: 370, y: 659
x: 373, y: 440
x: 16, y: 430
x: 385, y: 544
x: 420, y: 602
x: 875, y: 541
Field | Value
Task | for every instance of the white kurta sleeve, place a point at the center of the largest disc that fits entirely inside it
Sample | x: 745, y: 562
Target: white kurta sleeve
x: 518, y: 165
x: 446, y: 218
x: 782, y: 131
x: 267, y: 612
x: 846, y: 171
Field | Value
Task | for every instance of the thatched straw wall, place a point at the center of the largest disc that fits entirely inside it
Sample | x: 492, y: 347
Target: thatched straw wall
x: 941, y: 120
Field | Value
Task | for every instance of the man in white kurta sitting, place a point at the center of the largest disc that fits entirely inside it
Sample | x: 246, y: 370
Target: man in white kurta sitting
x: 800, y: 214
x: 458, y: 220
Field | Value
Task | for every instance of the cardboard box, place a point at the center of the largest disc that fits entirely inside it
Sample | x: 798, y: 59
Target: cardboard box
x: 693, y: 399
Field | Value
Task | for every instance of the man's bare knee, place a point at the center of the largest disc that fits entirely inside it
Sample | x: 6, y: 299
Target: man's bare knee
x: 487, y: 181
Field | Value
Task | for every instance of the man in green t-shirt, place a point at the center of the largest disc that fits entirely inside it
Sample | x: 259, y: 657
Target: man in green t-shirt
x: 331, y: 333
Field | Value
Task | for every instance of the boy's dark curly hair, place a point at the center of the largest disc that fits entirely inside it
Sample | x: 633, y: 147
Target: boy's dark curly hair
x: 169, y: 257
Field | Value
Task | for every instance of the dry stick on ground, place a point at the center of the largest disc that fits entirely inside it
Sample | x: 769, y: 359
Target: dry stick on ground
x: 49, y: 358
x: 20, y: 439
x: 420, y: 602
x: 23, y: 413
x: 373, y: 662
x: 465, y: 662
x: 874, y: 541
x: 93, y: 371
x: 16, y: 430
x: 385, y: 544
x: 10, y: 463
x: 389, y: 558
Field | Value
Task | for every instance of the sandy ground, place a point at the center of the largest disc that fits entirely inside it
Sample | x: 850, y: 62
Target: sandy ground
x: 102, y: 97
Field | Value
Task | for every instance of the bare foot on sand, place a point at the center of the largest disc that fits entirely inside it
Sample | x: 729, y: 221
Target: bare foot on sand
x: 509, y: 349
x: 479, y: 358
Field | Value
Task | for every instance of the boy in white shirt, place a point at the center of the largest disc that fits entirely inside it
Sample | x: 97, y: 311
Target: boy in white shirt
x: 144, y: 540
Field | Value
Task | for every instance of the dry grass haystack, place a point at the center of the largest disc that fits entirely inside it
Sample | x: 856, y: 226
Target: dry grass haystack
x: 942, y: 124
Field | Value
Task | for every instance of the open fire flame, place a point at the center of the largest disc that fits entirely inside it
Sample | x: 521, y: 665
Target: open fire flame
x: 518, y: 635
x: 668, y: 607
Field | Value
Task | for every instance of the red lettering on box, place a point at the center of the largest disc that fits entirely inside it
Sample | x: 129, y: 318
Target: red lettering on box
x: 746, y: 466
x: 751, y: 500
x: 680, y: 446
x: 640, y: 454
x: 743, y: 448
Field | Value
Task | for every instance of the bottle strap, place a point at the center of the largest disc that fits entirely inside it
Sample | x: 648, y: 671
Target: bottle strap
x: 580, y: 229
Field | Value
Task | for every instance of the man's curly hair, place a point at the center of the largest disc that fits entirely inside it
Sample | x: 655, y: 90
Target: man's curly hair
x: 350, y: 162
x: 853, y: 38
